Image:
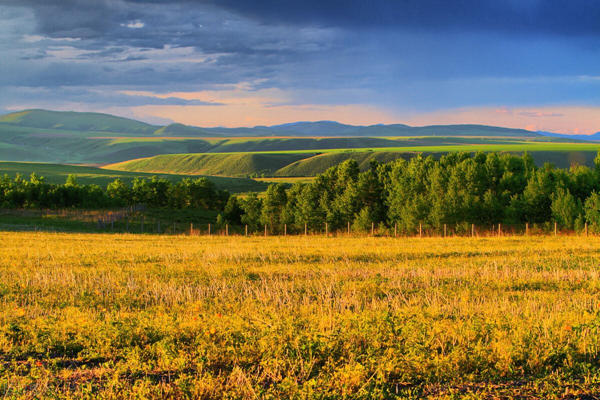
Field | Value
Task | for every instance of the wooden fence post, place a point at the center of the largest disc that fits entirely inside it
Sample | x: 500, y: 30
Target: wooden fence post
x: 246, y: 230
x: 284, y: 229
x: 586, y: 230
x: 472, y: 230
x: 499, y: 229
x: 226, y: 229
x: 191, y: 228
x: 326, y: 229
x: 395, y: 229
x: 555, y: 228
x: 372, y: 228
x: 444, y: 230
x: 209, y: 230
x: 348, y: 227
x: 420, y: 230
x: 527, y: 228
x: 265, y: 230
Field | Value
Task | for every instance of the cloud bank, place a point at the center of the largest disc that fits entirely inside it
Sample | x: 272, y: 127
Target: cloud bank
x: 388, y: 60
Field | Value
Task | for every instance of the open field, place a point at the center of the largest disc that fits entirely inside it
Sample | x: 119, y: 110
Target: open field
x: 58, y: 173
x: 124, y: 316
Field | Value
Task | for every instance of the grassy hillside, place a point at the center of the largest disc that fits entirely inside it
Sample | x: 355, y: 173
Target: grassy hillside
x: 320, y: 163
x: 57, y: 173
x: 306, y: 164
x: 101, y: 139
x: 212, y: 164
x: 76, y: 121
x: 98, y: 122
x: 93, y: 138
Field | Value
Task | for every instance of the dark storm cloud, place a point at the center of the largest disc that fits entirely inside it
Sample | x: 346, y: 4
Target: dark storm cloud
x: 83, y: 95
x: 561, y: 17
x: 91, y: 19
x: 419, y: 53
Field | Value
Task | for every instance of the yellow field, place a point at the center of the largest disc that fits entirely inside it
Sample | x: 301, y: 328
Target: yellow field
x: 132, y: 316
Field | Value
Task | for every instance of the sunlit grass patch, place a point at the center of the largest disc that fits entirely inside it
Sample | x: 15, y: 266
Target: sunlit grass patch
x: 102, y: 315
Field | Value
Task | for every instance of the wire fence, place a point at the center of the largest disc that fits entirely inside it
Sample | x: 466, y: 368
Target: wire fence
x: 158, y: 226
x: 134, y: 220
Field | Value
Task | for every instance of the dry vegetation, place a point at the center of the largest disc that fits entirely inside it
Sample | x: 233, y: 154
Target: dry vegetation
x: 133, y: 316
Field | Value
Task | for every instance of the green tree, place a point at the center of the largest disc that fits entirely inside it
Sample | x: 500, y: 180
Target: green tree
x: 232, y: 212
x: 592, y: 211
x: 273, y: 204
x: 119, y: 192
x: 565, y: 208
x: 363, y: 220
x: 252, y: 207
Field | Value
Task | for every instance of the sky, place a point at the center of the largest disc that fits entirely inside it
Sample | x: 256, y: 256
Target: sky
x: 531, y: 64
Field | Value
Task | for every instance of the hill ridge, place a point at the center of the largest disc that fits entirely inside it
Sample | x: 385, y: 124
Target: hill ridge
x: 103, y: 122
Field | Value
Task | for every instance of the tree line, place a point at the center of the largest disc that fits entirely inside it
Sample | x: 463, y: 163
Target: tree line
x: 155, y: 192
x: 456, y: 190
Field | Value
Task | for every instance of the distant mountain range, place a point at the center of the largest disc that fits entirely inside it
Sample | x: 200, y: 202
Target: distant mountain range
x: 590, y: 138
x: 104, y: 123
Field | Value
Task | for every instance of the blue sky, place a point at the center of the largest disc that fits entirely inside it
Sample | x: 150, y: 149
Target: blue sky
x: 520, y: 63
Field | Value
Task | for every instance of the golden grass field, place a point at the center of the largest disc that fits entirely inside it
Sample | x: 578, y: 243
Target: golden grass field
x: 134, y: 316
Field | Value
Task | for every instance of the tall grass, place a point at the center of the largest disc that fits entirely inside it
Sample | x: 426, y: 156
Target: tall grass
x: 133, y: 316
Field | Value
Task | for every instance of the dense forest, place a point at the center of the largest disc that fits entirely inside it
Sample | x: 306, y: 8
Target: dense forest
x: 457, y: 190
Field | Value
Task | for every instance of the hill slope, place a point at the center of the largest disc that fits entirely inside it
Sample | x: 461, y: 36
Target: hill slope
x: 236, y: 165
x: 76, y: 121
x: 94, y: 138
x: 318, y: 164
x: 57, y: 173
x: 595, y: 137
x: 97, y: 122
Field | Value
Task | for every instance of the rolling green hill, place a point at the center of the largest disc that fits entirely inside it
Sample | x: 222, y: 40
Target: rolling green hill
x: 57, y: 173
x: 77, y: 121
x: 235, y: 165
x: 306, y: 164
x: 98, y: 122
x: 317, y: 164
x: 289, y: 150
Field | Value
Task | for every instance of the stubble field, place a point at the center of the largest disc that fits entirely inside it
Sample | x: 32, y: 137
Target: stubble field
x: 134, y: 316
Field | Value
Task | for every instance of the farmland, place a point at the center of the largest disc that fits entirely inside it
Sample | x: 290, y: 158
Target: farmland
x: 123, y: 316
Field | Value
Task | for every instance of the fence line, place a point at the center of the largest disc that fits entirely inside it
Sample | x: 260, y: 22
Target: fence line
x: 129, y: 220
x: 445, y: 231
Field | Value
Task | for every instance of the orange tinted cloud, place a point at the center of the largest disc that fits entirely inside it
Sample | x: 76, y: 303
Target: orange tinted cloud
x: 566, y: 119
x: 236, y: 115
x: 239, y: 106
